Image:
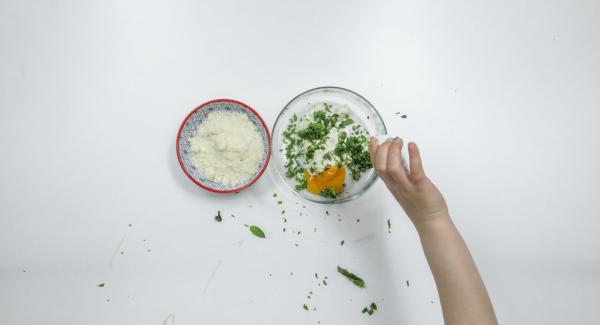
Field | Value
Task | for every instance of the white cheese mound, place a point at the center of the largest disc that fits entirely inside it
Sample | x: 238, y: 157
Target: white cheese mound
x: 227, y: 148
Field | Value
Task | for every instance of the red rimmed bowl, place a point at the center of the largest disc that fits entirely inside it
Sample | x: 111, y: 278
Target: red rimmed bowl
x: 189, y: 127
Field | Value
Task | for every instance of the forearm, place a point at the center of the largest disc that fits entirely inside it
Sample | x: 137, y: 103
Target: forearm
x: 462, y: 293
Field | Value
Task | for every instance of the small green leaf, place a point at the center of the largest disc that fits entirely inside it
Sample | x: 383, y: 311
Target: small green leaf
x: 373, y: 306
x: 346, y: 122
x: 365, y: 310
x: 352, y: 277
x: 257, y: 231
x: 305, y: 307
x: 218, y: 217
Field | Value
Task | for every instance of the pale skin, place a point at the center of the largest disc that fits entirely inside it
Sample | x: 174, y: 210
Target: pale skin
x: 463, y: 296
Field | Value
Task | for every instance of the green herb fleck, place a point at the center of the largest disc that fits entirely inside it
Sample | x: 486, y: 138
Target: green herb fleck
x: 218, y: 217
x: 329, y: 193
x: 100, y: 285
x: 342, y: 242
x: 274, y: 194
x: 256, y: 231
x: 346, y: 122
x: 316, y: 275
x: 352, y: 277
x: 370, y: 310
x: 407, y: 283
x: 279, y: 202
x: 305, y: 307
x: 324, y: 282
x: 389, y: 223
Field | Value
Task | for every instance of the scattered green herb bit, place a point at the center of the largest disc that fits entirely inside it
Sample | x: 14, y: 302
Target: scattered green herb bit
x: 389, y: 223
x: 352, y: 277
x: 403, y: 116
x: 324, y: 282
x: 274, y: 194
x: 346, y: 122
x: 284, y: 219
x: 282, y: 211
x: 218, y: 217
x: 342, y: 242
x: 232, y: 216
x: 299, y: 232
x: 279, y: 202
x: 370, y: 310
x: 327, y: 212
x: 296, y: 244
x: 407, y: 283
x: 328, y: 193
x: 305, y: 307
x: 100, y: 285
x: 256, y: 231
x: 316, y: 275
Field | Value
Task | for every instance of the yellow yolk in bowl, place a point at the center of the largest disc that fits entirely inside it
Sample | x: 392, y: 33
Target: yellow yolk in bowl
x: 332, y: 177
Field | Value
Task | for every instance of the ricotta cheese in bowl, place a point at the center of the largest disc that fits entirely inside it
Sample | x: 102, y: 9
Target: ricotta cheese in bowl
x: 223, y: 146
x: 320, y: 144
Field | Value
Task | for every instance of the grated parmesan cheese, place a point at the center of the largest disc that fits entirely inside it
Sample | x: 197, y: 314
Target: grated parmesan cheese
x: 227, y: 148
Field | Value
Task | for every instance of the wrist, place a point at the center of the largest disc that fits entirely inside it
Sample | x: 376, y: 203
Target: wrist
x: 433, y: 222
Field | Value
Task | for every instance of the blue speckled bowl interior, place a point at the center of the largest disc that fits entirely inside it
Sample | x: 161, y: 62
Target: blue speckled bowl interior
x: 188, y: 130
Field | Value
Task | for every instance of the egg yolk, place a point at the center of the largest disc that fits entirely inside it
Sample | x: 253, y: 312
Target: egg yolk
x: 332, y: 178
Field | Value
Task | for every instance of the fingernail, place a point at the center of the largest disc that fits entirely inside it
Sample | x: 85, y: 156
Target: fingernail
x: 397, y: 140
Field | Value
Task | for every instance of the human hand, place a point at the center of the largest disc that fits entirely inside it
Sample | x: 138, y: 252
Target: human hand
x: 417, y: 195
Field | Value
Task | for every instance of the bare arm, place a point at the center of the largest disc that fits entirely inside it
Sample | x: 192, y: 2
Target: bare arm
x: 462, y: 292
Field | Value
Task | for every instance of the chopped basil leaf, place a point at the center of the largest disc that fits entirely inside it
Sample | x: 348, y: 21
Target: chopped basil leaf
x: 256, y: 231
x: 352, y: 277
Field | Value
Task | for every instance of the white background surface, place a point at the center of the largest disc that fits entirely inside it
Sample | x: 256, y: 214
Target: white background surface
x: 502, y: 96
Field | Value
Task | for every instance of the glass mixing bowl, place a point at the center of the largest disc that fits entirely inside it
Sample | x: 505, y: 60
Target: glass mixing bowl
x: 360, y: 109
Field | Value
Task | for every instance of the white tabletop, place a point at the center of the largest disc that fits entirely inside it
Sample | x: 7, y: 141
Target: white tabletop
x: 503, y: 98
